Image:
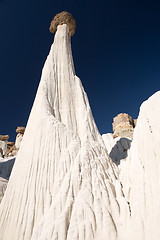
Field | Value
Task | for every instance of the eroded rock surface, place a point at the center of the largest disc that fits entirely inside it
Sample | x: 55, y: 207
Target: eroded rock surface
x: 64, y: 185
x: 63, y: 181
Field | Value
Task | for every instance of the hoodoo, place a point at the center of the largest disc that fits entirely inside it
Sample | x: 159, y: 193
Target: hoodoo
x: 63, y: 184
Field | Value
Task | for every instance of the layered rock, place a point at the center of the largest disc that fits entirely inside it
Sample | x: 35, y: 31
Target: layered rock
x: 123, y: 125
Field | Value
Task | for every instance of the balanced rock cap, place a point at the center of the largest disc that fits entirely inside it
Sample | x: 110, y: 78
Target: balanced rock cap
x: 20, y: 130
x: 63, y: 18
x: 4, y: 137
x: 10, y: 144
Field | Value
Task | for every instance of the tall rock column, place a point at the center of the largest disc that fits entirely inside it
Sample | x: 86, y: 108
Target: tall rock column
x: 63, y: 185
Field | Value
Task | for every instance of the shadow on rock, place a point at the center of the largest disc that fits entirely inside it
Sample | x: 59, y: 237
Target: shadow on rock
x: 6, y: 168
x: 119, y: 151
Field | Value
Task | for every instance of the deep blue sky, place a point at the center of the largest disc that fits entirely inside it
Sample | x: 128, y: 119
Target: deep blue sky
x: 116, y: 51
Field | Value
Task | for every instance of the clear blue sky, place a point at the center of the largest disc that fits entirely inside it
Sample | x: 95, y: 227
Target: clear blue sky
x: 116, y: 51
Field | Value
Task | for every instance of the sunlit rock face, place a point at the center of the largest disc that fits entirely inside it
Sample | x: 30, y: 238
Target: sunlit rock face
x: 140, y: 174
x: 63, y: 184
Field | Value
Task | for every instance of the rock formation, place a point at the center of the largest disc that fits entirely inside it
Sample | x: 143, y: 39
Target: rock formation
x: 3, y: 145
x: 64, y: 185
x: 59, y: 187
x: 8, y: 151
x: 123, y: 125
x: 140, y: 174
x: 19, y: 137
x: 20, y: 130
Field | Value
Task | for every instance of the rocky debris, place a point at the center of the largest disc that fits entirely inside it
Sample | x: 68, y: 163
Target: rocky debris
x: 63, y: 18
x: 123, y: 125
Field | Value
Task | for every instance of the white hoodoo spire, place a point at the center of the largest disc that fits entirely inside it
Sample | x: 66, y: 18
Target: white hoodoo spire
x: 63, y: 185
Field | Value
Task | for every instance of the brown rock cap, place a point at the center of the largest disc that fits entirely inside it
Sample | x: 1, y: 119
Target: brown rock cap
x: 4, y: 137
x: 122, y: 120
x: 20, y: 130
x: 123, y: 125
x: 63, y: 18
x: 10, y: 144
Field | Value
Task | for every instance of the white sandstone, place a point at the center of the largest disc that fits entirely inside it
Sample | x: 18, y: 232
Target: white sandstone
x: 140, y: 174
x: 63, y: 184
x: 3, y: 147
x: 18, y: 141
